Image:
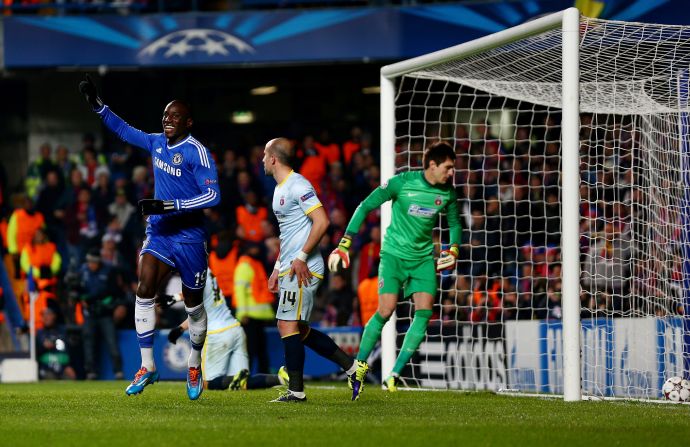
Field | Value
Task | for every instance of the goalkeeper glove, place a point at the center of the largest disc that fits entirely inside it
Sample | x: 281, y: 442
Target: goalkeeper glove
x: 88, y: 89
x: 174, y: 334
x: 154, y: 206
x: 447, y: 258
x: 340, y: 254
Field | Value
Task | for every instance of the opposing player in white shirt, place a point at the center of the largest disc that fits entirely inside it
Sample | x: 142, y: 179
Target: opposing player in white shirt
x: 224, y: 357
x: 297, y: 274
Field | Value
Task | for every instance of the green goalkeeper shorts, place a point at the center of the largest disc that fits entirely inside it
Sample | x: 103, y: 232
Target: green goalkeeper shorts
x: 412, y: 276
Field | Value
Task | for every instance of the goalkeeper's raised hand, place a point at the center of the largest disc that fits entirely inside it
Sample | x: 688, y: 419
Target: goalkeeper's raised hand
x: 154, y: 206
x: 340, y: 255
x: 90, y: 92
x: 447, y: 258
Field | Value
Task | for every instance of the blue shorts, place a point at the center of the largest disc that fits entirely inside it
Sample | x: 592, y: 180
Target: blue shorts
x: 189, y: 258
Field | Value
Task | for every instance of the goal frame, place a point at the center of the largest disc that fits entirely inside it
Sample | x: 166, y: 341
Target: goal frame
x: 569, y: 22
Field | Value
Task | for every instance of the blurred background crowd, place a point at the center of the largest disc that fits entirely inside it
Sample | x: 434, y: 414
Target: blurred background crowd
x: 74, y: 218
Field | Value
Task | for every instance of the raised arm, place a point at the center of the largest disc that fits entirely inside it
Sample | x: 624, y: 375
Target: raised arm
x: 113, y: 122
x: 341, y: 254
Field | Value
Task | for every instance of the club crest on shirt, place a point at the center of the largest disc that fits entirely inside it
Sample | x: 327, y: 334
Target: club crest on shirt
x: 177, y: 159
x: 282, y: 201
x: 438, y: 201
x: 307, y: 196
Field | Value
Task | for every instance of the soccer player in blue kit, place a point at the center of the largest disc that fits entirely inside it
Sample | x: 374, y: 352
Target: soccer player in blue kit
x: 186, y: 182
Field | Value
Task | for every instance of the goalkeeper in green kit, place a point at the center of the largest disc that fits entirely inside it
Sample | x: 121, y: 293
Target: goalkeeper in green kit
x: 407, y: 253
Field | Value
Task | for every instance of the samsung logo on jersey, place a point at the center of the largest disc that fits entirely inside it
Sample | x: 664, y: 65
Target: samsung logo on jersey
x: 160, y: 164
x: 420, y: 211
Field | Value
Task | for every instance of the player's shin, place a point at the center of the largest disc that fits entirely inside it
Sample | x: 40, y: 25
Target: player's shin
x: 294, y: 361
x: 197, y: 333
x: 413, y: 339
x: 145, y: 323
x: 324, y: 345
x: 370, y: 336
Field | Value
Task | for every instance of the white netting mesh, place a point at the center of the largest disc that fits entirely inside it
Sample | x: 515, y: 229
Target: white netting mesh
x: 626, y: 68
x: 497, y: 324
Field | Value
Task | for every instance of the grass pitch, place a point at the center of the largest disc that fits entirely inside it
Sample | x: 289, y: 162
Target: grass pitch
x: 99, y: 414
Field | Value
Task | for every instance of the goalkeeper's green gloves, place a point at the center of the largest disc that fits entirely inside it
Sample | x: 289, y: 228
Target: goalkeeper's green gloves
x: 447, y: 258
x: 340, y: 255
x: 154, y: 206
x: 88, y: 89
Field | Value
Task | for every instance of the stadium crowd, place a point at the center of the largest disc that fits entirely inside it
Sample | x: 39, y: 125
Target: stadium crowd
x: 73, y: 221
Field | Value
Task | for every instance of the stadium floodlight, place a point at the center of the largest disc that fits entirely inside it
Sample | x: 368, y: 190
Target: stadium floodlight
x: 573, y: 174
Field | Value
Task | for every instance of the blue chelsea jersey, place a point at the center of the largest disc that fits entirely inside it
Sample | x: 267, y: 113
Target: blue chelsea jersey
x: 183, y: 172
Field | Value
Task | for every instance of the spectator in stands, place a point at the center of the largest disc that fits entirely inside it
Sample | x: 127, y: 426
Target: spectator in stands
x: 606, y: 265
x: 52, y: 349
x: 250, y: 217
x: 100, y: 295
x: 123, y: 162
x: 23, y: 224
x: 82, y: 226
x: 551, y: 308
x: 141, y: 185
x: 254, y: 302
x: 265, y: 183
x: 327, y: 148
x: 102, y: 195
x: 313, y: 164
x: 41, y: 260
x: 38, y: 169
x: 63, y: 162
x: 51, y: 203
x: 370, y: 253
x: 353, y: 145
x: 75, y: 184
x: 340, y: 300
x: 368, y: 295
x: 223, y: 260
x: 244, y: 185
x: 121, y: 208
x: 90, y: 166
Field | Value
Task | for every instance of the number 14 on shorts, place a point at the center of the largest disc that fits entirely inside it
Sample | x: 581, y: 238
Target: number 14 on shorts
x: 288, y: 296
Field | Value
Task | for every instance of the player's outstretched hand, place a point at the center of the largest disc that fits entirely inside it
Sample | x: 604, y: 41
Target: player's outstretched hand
x: 447, y: 258
x: 154, y: 206
x: 90, y: 92
x: 340, y: 255
x: 174, y: 334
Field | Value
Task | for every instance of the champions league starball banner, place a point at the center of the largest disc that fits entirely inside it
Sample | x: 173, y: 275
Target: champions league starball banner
x: 248, y: 37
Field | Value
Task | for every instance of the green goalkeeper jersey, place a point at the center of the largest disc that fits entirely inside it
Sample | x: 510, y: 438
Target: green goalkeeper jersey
x: 415, y: 210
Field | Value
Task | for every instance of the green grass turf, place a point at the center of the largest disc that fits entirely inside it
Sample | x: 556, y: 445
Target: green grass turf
x: 99, y: 413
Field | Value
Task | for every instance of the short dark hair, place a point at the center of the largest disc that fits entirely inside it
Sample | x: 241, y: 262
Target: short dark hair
x: 438, y: 152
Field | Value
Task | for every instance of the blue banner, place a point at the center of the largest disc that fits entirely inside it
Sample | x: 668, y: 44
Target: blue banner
x: 171, y: 360
x: 353, y: 34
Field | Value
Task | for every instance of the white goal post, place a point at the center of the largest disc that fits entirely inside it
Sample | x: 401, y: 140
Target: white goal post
x: 433, y: 96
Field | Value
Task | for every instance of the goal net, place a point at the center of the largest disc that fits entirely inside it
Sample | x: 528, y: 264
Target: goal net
x: 498, y: 319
